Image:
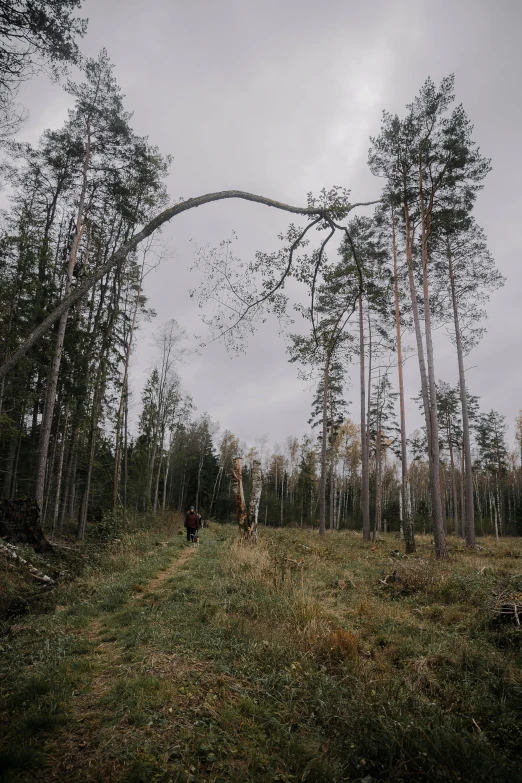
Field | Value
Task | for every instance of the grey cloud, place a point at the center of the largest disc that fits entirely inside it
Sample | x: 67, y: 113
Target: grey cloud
x: 280, y: 98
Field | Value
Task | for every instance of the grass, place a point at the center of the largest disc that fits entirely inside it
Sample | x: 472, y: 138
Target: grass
x: 295, y: 660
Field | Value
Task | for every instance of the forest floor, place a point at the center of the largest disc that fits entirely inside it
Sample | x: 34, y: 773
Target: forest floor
x: 295, y: 660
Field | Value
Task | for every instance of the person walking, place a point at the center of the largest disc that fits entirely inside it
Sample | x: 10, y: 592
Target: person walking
x: 193, y: 524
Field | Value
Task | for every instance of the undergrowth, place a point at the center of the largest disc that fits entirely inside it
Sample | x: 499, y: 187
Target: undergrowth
x: 294, y: 660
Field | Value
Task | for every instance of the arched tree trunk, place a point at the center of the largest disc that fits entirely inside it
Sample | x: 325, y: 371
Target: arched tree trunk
x: 79, y: 291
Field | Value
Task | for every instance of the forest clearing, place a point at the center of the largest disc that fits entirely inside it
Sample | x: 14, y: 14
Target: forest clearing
x: 296, y: 659
x: 260, y: 444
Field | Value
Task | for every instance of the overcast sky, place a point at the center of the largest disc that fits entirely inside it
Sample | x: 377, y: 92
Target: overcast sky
x: 279, y: 97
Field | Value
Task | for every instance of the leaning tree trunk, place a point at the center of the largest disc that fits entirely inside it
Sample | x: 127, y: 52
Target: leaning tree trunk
x: 365, y: 478
x: 407, y: 519
x: 468, y: 470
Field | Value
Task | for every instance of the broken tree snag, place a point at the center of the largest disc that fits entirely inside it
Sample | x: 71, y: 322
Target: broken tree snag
x: 255, y: 497
x: 239, y: 497
x: 20, y: 524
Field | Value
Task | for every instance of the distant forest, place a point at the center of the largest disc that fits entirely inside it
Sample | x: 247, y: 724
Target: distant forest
x: 78, y: 201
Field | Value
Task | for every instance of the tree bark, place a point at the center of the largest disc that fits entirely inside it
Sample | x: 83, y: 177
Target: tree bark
x: 116, y: 476
x: 365, y: 478
x: 239, y: 497
x: 200, y: 468
x: 453, y: 476
x: 432, y: 421
x: 322, y: 508
x: 434, y: 473
x: 60, y: 472
x: 255, y: 497
x: 407, y: 519
x: 69, y: 480
x: 378, y: 479
x: 468, y: 470
x: 218, y: 477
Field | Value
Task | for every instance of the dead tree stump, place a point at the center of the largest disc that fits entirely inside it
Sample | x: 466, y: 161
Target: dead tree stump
x: 246, y: 518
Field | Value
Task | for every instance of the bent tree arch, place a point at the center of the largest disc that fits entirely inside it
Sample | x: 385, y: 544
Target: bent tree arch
x: 336, y: 208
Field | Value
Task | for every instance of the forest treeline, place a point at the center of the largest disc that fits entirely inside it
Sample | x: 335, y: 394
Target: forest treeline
x: 419, y: 262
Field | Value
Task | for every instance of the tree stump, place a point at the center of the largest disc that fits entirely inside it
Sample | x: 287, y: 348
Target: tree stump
x: 20, y: 524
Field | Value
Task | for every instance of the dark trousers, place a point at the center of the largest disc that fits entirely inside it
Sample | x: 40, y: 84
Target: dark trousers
x: 191, y: 534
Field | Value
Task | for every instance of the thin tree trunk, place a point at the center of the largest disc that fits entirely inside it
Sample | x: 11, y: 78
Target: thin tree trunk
x: 49, y: 474
x: 406, y: 515
x: 8, y: 473
x: 463, y: 493
x: 182, y: 488
x: 126, y: 448
x: 60, y: 472
x: 332, y: 468
x: 255, y: 497
x: 432, y: 422
x: 116, y: 476
x: 282, y: 497
x: 453, y: 476
x: 69, y: 476
x: 470, y: 506
x: 494, y: 514
x: 72, y: 496
x: 52, y: 380
x: 80, y: 532
x: 239, y: 497
x: 365, y: 478
x: 322, y: 520
x: 220, y: 470
x: 165, y: 478
x: 158, y: 474
x: 200, y: 468
x: 378, y: 487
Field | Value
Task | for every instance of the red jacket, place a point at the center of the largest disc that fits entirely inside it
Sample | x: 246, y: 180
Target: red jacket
x: 192, y: 520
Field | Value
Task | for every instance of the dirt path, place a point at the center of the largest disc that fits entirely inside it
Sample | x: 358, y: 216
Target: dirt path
x: 156, y: 585
x: 85, y: 744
